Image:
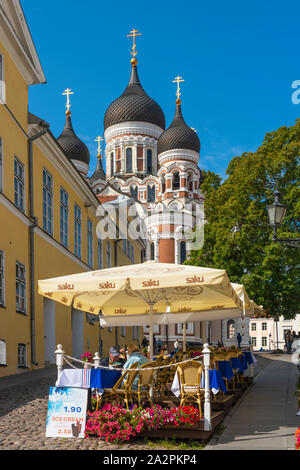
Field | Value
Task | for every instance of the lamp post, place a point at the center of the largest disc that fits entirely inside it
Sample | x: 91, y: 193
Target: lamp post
x: 276, y: 213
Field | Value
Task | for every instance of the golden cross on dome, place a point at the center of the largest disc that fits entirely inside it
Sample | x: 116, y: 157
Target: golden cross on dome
x: 99, y: 140
x: 133, y: 35
x: 178, y: 80
x: 67, y: 93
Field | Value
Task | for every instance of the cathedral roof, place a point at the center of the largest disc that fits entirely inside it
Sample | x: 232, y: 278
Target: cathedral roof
x: 178, y: 136
x: 73, y: 147
x: 134, y: 105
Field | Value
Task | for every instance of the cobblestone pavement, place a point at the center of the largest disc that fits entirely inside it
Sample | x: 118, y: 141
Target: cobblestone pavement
x: 23, y: 413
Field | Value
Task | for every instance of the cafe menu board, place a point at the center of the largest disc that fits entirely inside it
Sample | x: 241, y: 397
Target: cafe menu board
x: 67, y: 409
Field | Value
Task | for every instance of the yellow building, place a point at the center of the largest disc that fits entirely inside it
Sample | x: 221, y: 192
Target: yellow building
x: 48, y: 215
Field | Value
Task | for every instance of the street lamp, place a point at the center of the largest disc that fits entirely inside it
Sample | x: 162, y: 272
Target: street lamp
x: 276, y: 213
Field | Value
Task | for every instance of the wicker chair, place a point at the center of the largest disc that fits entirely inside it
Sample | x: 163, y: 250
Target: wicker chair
x: 189, y: 375
x: 236, y: 379
x: 122, y: 389
x: 145, y: 383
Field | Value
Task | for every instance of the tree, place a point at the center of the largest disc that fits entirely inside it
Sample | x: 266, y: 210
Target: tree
x: 238, y: 237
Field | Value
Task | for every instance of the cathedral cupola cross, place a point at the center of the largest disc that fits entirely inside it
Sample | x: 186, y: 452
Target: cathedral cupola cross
x: 178, y: 80
x: 67, y: 93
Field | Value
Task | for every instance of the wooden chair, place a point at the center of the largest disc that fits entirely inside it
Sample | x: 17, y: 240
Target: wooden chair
x: 189, y: 375
x: 122, y: 389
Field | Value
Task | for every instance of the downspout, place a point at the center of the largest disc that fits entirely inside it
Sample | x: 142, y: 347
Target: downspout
x: 45, y: 127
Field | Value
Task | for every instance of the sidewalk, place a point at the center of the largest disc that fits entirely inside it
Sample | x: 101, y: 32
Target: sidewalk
x: 265, y: 418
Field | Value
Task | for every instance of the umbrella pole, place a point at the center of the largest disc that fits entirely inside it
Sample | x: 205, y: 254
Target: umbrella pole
x: 184, y: 338
x: 151, y: 332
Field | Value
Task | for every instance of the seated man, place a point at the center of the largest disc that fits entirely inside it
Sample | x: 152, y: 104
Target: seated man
x: 114, y: 360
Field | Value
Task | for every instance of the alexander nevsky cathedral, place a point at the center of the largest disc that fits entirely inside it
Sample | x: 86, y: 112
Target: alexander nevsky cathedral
x: 155, y: 165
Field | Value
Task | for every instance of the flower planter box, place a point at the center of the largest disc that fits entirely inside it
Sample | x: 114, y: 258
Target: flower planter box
x: 186, y: 432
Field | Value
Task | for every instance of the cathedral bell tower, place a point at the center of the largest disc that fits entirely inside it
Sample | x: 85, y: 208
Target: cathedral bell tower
x: 179, y: 201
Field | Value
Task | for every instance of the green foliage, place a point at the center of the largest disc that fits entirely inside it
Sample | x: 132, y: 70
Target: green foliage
x: 238, y: 237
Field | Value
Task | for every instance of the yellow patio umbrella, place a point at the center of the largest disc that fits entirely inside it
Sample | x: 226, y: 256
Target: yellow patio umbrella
x: 125, y: 293
x: 249, y: 306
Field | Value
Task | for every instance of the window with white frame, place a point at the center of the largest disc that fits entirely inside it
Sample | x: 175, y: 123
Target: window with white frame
x: 90, y: 250
x: 2, y: 352
x: 1, y: 165
x: 64, y: 218
x: 19, y: 184
x: 77, y: 218
x: 264, y: 341
x: 108, y: 254
x: 22, y: 360
x: 253, y: 326
x: 20, y: 288
x: 100, y: 252
x: 253, y: 340
x: 264, y: 326
x: 2, y: 279
x: 47, y: 202
x: 123, y: 331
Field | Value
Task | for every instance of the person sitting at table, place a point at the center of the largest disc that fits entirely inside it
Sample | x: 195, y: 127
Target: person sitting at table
x: 114, y: 360
x: 123, y: 353
x: 134, y: 355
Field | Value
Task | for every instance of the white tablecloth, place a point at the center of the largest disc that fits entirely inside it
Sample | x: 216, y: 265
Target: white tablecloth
x: 175, y: 388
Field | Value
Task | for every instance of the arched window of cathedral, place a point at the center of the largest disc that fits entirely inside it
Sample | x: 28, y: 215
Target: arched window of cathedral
x: 190, y: 181
x: 152, y: 251
x: 176, y: 181
x: 129, y: 160
x: 230, y: 329
x: 163, y: 184
x: 112, y: 163
x: 182, y: 252
x: 151, y: 193
x: 149, y: 161
x: 134, y: 191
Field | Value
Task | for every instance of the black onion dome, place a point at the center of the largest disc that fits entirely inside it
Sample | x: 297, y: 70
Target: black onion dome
x: 134, y: 105
x: 73, y: 147
x: 178, y: 136
x: 99, y: 173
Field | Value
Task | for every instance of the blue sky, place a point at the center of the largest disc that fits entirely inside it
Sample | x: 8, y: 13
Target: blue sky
x: 238, y: 59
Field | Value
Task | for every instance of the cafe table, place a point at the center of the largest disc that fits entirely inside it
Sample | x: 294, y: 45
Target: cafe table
x: 88, y: 378
x: 216, y: 382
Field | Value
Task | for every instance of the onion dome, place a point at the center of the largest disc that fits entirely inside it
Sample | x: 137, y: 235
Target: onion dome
x: 134, y: 105
x: 73, y: 147
x: 179, y: 135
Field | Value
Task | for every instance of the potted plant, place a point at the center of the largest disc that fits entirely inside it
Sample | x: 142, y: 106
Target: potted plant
x: 88, y: 359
